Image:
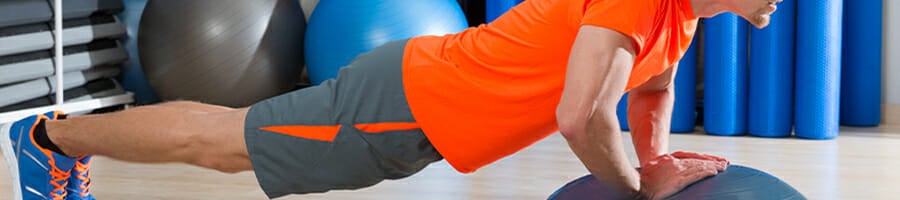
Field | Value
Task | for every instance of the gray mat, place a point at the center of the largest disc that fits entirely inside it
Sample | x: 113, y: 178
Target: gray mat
x: 31, y: 69
x: 105, y: 27
x: 100, y: 88
x: 18, y: 12
x: 21, y: 12
x: 24, y: 91
x: 84, y: 8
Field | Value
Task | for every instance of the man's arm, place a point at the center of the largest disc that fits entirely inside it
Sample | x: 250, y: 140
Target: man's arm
x: 599, y: 67
x: 650, y: 115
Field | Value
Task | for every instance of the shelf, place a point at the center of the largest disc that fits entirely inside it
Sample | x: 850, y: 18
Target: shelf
x: 73, y: 107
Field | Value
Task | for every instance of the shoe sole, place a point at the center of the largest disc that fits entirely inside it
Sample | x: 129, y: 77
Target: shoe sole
x: 11, y: 160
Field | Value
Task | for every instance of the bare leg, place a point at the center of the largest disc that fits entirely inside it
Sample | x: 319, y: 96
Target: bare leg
x: 200, y: 134
x: 194, y: 106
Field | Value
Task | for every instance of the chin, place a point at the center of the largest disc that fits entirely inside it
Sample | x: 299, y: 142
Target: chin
x: 761, y: 21
x: 761, y: 25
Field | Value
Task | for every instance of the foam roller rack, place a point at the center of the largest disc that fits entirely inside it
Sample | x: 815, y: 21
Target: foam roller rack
x: 83, y: 8
x: 96, y: 89
x: 35, y: 37
x: 24, y: 91
x: 19, y: 12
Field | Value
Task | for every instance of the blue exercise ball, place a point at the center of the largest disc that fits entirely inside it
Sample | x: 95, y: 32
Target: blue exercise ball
x: 133, y: 78
x: 340, y: 30
x: 735, y: 183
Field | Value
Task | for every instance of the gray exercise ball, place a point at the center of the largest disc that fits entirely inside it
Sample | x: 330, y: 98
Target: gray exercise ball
x: 225, y: 52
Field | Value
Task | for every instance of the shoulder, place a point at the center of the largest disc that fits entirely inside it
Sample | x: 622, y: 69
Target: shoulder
x: 633, y: 13
x: 634, y: 18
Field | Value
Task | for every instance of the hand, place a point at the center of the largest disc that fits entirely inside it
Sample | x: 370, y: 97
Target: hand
x: 685, y: 155
x: 667, y: 174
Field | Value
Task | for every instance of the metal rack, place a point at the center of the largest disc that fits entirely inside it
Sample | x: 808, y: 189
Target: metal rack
x: 61, y: 105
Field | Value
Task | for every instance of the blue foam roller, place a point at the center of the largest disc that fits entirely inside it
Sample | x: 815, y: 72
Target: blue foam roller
x: 495, y: 8
x: 736, y: 182
x: 725, y: 75
x: 132, y: 76
x: 772, y: 75
x: 861, y: 71
x: 684, y: 113
x: 818, y: 84
x: 622, y: 112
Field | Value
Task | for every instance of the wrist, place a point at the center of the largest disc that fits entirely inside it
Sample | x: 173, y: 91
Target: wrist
x: 649, y: 148
x: 642, y: 194
x: 650, y: 158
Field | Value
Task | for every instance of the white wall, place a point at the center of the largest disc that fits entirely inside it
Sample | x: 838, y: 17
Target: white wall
x: 891, y: 73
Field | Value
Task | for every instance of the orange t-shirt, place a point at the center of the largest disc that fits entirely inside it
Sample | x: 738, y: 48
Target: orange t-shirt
x: 487, y: 92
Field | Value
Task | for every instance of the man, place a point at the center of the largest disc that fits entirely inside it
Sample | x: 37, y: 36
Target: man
x: 470, y: 98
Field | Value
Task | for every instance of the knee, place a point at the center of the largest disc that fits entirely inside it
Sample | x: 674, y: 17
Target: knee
x: 221, y: 164
x: 224, y: 167
x: 179, y: 103
x: 194, y: 106
x: 204, y: 151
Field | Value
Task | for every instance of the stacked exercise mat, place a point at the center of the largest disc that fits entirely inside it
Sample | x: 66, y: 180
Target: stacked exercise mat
x: 92, y: 52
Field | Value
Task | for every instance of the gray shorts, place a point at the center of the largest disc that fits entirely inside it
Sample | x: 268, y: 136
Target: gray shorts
x: 330, y: 136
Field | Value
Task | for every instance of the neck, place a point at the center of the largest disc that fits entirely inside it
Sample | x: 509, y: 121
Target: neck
x: 708, y: 8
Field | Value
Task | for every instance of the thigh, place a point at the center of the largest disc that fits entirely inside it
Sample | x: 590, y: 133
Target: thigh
x: 347, y: 133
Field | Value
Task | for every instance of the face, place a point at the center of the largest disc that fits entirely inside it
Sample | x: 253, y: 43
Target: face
x: 757, y: 12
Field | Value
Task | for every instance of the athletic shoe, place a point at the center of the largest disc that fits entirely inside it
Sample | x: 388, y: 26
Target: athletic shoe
x: 37, y: 173
x: 80, y: 183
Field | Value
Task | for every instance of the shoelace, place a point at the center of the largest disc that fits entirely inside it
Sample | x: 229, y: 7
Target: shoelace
x: 59, y: 182
x: 85, y: 176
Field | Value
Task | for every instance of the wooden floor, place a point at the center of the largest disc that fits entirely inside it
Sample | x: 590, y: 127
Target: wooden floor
x: 863, y: 163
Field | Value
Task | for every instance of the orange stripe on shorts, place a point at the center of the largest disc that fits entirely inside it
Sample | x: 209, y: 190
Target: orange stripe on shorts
x: 387, y: 126
x: 320, y: 133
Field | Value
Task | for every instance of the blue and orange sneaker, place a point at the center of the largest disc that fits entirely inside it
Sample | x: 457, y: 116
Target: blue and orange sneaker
x: 80, y: 180
x: 79, y: 186
x: 37, y: 172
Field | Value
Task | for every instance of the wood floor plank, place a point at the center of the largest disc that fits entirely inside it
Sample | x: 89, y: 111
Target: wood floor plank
x: 861, y: 163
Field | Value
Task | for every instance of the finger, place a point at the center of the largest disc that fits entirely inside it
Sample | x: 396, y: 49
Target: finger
x: 708, y: 156
x: 721, y: 166
x: 697, y: 175
x: 717, y: 165
x: 682, y: 154
x: 696, y: 166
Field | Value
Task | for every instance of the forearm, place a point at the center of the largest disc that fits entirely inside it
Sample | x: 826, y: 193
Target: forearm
x: 600, y: 149
x: 649, y: 116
